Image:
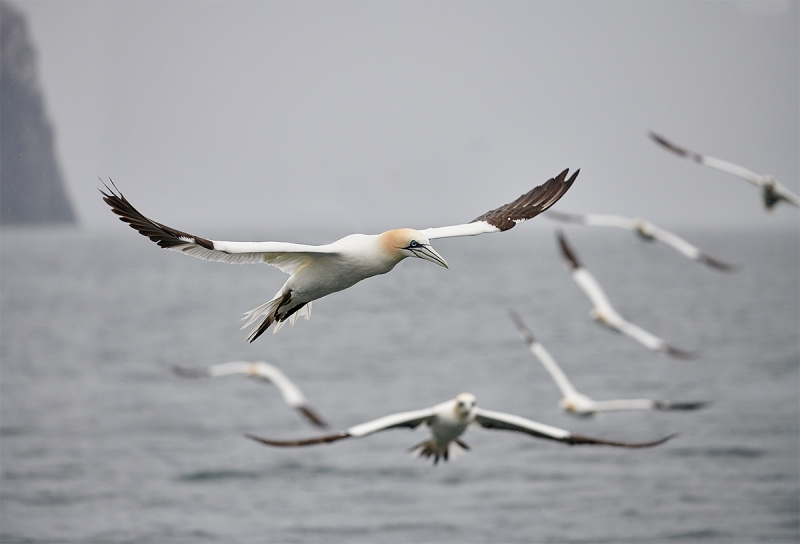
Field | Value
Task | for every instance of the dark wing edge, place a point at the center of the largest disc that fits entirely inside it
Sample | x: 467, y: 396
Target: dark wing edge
x: 667, y: 405
x: 714, y: 263
x: 678, y: 353
x: 580, y: 440
x: 302, y: 442
x: 685, y: 153
x: 311, y: 415
x: 186, y: 372
x: 571, y: 439
x: 523, y: 329
x: 567, y: 251
x: 530, y: 204
x: 166, y: 237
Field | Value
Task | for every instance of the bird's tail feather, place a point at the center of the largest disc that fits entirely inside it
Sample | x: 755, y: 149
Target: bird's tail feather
x: 267, y: 314
x: 429, y: 448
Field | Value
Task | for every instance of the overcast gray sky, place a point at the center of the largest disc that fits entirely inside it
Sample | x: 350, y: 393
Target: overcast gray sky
x: 366, y: 116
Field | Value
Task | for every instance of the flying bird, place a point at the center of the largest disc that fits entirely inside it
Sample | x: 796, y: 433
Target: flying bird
x: 447, y: 422
x: 579, y: 404
x: 317, y: 271
x: 605, y: 314
x: 645, y: 229
x: 261, y: 371
x: 772, y: 191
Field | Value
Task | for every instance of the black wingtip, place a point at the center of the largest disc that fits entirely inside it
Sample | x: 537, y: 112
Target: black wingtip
x: 717, y: 265
x: 185, y: 372
x: 679, y: 353
x: 567, y: 251
x: 523, y: 329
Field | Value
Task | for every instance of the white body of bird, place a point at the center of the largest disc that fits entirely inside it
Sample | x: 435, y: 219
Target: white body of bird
x: 447, y: 422
x: 317, y: 271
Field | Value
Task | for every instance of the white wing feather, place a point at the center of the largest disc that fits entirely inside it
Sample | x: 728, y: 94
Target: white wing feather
x: 413, y: 418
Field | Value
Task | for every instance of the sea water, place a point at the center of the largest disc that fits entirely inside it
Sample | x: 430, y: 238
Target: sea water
x: 101, y: 442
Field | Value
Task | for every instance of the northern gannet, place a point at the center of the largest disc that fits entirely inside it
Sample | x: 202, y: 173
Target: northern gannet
x: 317, y: 271
x: 261, y: 371
x: 772, y: 191
x: 447, y: 422
x: 605, y: 314
x: 645, y: 229
x: 579, y: 404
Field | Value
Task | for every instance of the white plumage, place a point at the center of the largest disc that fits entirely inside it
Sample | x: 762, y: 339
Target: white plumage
x: 577, y: 403
x: 261, y: 371
x: 772, y: 191
x: 645, y: 230
x: 447, y: 422
x: 317, y: 271
x: 605, y: 314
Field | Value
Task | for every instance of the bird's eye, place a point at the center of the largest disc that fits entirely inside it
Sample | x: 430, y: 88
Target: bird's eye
x: 413, y: 243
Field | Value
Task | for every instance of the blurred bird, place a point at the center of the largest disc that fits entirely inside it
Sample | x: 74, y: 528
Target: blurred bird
x: 579, y: 404
x: 646, y: 230
x: 605, y: 314
x: 263, y: 372
x: 317, y: 271
x: 447, y: 422
x: 772, y: 191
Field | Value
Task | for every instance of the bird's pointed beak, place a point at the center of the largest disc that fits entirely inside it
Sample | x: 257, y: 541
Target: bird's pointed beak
x: 429, y: 254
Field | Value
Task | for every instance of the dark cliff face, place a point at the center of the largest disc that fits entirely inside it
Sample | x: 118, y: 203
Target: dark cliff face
x: 32, y: 189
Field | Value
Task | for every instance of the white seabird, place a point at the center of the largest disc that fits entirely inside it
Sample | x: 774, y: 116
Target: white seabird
x: 448, y: 421
x: 577, y: 403
x: 645, y: 229
x: 772, y: 191
x: 605, y: 314
x: 261, y: 371
x: 317, y: 271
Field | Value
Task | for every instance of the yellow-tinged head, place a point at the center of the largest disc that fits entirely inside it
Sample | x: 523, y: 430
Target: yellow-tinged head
x: 411, y: 243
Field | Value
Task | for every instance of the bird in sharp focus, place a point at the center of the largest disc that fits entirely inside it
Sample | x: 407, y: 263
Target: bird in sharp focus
x: 317, y: 271
x: 605, y: 314
x: 772, y: 191
x: 576, y: 403
x: 448, y: 421
x: 261, y: 371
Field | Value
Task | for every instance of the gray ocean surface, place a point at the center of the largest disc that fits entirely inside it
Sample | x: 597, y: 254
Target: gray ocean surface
x: 101, y: 442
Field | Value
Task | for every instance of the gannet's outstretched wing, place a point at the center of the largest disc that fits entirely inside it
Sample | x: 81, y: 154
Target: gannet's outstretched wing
x: 685, y: 247
x: 509, y: 422
x: 586, y: 280
x: 593, y: 219
x: 291, y: 394
x: 285, y: 256
x: 649, y: 339
x: 645, y: 229
x: 645, y: 404
x: 505, y: 217
x: 563, y: 383
x: 410, y: 419
x: 719, y: 164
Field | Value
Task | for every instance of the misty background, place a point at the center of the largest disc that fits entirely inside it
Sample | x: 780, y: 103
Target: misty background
x: 214, y: 117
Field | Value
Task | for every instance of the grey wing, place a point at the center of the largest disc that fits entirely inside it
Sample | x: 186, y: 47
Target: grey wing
x: 509, y: 422
x: 593, y: 219
x: 712, y: 162
x: 526, y: 206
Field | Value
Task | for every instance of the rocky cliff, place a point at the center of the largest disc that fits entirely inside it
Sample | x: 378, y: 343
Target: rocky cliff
x: 32, y: 190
